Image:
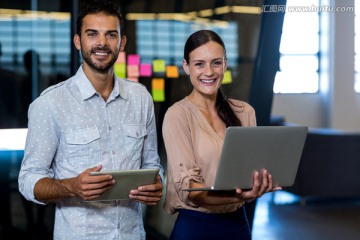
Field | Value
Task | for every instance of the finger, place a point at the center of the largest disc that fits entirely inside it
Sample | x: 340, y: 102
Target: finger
x: 264, y: 183
x: 94, y: 169
x: 157, y: 194
x: 256, y: 182
x: 102, y: 178
x: 144, y: 199
x: 270, y: 186
x: 151, y: 187
x: 94, y: 193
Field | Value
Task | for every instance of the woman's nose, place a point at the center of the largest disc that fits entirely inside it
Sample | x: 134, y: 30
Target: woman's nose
x: 209, y: 70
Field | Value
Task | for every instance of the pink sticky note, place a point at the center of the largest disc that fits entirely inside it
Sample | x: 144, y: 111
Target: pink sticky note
x: 145, y: 69
x: 133, y: 59
x: 132, y: 70
x: 134, y: 79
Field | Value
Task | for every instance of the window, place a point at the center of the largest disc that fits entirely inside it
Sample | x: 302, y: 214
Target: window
x: 46, y: 33
x: 165, y: 39
x: 299, y: 49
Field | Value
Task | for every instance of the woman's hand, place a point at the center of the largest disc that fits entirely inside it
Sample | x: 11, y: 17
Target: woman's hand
x: 261, y: 186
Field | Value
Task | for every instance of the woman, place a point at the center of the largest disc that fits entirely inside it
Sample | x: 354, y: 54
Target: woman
x: 194, y: 131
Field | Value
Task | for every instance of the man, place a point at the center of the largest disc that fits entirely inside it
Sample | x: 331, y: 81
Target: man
x: 93, y: 121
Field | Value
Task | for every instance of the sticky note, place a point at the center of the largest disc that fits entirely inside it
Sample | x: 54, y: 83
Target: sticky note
x: 227, y: 77
x: 158, y: 84
x: 172, y: 72
x: 159, y: 65
x: 121, y: 58
x: 134, y: 79
x: 145, y: 69
x: 133, y: 59
x: 158, y: 89
x: 158, y: 95
x: 132, y: 70
x: 120, y: 70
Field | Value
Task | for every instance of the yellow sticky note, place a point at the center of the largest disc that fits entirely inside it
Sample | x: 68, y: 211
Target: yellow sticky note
x: 158, y: 95
x: 227, y: 77
x: 172, y: 72
x: 120, y: 70
x: 158, y: 84
x: 159, y: 65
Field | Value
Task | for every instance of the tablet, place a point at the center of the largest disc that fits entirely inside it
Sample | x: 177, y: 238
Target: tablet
x: 126, y: 180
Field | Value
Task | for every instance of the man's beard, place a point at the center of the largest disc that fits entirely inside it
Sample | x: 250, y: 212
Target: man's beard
x: 100, y: 67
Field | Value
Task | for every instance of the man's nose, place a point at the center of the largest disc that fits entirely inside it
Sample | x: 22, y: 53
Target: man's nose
x: 102, y: 40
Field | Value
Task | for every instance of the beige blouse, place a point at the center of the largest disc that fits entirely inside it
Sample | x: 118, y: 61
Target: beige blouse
x: 193, y: 152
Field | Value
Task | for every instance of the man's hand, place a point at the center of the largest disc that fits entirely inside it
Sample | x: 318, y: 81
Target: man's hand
x: 89, y: 187
x: 148, y: 194
x: 83, y: 186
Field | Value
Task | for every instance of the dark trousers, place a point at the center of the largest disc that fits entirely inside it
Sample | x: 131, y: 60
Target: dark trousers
x: 196, y: 225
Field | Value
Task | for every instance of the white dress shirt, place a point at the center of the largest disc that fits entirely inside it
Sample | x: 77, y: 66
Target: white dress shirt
x: 71, y: 128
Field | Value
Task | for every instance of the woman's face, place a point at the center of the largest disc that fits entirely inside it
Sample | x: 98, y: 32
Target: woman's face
x: 206, y: 68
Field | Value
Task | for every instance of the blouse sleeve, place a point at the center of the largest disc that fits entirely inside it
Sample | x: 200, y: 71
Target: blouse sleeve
x: 181, y: 164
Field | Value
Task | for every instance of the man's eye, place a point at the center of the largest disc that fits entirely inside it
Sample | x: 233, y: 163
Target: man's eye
x: 112, y: 35
x: 91, y: 34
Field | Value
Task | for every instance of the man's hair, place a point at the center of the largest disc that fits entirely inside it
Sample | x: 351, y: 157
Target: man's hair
x: 99, y: 6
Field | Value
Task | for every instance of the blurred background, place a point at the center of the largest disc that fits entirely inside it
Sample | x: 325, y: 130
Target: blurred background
x: 296, y: 62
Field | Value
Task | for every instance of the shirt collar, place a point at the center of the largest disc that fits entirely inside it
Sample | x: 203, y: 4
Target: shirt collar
x: 87, y: 90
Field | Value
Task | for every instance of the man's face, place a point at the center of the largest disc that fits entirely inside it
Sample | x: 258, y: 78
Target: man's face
x: 100, y: 41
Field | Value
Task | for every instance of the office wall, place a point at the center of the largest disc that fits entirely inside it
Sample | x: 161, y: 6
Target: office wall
x: 337, y: 105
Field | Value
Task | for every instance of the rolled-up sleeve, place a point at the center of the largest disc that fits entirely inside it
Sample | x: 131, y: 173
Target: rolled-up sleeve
x: 182, y: 167
x: 40, y: 147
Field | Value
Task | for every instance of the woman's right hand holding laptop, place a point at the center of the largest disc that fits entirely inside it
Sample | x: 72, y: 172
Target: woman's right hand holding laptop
x: 262, y: 183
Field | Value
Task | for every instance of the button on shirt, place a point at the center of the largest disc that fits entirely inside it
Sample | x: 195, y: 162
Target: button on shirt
x: 71, y: 128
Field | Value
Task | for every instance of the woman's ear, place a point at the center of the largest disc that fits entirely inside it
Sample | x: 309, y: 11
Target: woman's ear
x: 186, y: 67
x: 225, y: 64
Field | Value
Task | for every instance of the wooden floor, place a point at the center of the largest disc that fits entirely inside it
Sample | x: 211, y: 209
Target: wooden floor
x: 285, y: 218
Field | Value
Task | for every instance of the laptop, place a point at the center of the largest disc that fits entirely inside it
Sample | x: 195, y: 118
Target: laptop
x: 247, y: 149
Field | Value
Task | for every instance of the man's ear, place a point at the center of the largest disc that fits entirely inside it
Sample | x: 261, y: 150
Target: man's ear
x: 123, y: 43
x: 186, y: 67
x: 77, y: 41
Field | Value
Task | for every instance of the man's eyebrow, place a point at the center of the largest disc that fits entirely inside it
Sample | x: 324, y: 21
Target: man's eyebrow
x: 90, y: 30
x: 112, y: 31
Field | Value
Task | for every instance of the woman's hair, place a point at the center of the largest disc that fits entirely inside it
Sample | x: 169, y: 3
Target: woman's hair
x: 196, y: 40
x: 109, y: 7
